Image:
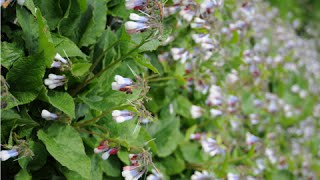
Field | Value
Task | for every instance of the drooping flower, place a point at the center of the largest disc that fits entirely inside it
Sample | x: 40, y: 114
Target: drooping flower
x: 199, y: 23
x: 232, y: 176
x: 196, y: 111
x: 58, y: 61
x: 155, y: 175
x: 204, y: 175
x: 138, y: 167
x: 137, y: 23
x: 122, y: 115
x: 122, y: 84
x: 211, y: 147
x: 54, y: 81
x: 134, y: 27
x: 45, y: 114
x: 179, y: 54
x: 215, y: 112
x: 197, y: 136
x: 6, y: 154
x: 132, y: 172
x: 215, y: 96
x: 135, y: 4
x: 105, y: 150
x: 251, y: 139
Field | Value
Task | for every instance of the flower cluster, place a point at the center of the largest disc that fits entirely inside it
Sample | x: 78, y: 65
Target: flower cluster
x: 139, y: 165
x: 105, y: 150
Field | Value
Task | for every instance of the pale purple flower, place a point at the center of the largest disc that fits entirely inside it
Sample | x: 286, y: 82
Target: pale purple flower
x: 122, y: 115
x: 45, y: 114
x: 196, y: 111
x: 6, y: 154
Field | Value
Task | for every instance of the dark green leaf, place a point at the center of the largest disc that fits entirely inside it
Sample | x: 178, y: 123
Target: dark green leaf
x: 10, y: 53
x: 25, y: 78
x: 65, y: 145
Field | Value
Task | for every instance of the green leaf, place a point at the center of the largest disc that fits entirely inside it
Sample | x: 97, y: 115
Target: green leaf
x: 183, y: 106
x: 62, y: 101
x: 111, y: 166
x: 96, y: 171
x: 167, y: 135
x: 30, y: 5
x: 118, y: 10
x: 150, y: 45
x: 23, y: 175
x: 51, y: 11
x: 191, y: 152
x: 10, y: 53
x: 96, y: 25
x: 65, y: 145
x: 174, y: 164
x: 69, y: 25
x: 124, y: 156
x: 80, y: 69
x: 30, y: 29
x: 65, y: 45
x: 25, y: 78
x: 82, y: 5
x: 45, y: 41
x: 141, y: 60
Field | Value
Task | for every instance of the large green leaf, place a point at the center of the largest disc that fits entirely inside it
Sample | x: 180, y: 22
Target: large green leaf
x: 45, y: 41
x: 25, y: 78
x: 51, y: 11
x: 96, y: 25
x: 191, y: 152
x: 174, y: 164
x: 62, y: 101
x: 111, y: 166
x: 65, y: 145
x: 10, y: 53
x: 167, y: 135
x: 69, y: 25
x: 65, y: 45
x: 30, y: 29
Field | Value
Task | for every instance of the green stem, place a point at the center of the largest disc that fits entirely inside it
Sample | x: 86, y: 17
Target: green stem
x: 161, y: 79
x: 87, y: 81
x: 83, y: 123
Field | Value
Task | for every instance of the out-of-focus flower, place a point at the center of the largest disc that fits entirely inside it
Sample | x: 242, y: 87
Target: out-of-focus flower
x: 251, y: 139
x: 232, y: 176
x: 204, y: 175
x: 196, y: 111
x: 135, y: 4
x: 211, y: 147
x: 215, y: 112
x: 155, y: 175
